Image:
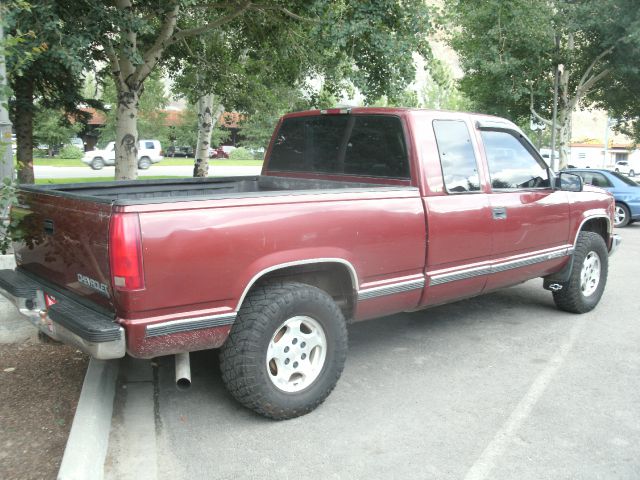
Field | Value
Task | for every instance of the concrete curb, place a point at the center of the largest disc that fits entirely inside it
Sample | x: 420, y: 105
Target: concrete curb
x: 88, y: 441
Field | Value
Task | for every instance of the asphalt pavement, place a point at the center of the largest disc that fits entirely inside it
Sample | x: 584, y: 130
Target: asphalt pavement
x: 155, y: 170
x: 501, y: 386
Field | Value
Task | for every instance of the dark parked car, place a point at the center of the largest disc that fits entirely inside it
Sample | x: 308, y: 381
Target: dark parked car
x: 625, y: 191
x: 180, y: 151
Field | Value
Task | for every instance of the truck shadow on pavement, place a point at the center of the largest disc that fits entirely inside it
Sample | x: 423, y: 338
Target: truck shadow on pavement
x: 409, y: 339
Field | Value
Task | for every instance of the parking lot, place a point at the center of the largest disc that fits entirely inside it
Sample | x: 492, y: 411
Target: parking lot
x: 502, y: 386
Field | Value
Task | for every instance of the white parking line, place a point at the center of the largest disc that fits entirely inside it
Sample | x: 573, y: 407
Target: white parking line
x: 483, y: 466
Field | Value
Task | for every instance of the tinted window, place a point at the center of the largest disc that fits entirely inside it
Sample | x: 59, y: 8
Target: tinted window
x: 364, y: 145
x: 459, y: 167
x: 148, y: 145
x: 510, y: 163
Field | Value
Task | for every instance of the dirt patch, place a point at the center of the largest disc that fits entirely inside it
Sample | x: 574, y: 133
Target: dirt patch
x: 39, y: 389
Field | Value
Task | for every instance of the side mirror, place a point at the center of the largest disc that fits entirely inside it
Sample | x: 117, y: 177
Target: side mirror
x: 569, y: 182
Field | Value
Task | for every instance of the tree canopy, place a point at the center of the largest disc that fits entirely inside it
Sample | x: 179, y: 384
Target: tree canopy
x: 509, y: 52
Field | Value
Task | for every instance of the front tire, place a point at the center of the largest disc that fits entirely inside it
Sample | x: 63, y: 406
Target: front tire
x: 621, y: 215
x: 582, y: 292
x: 286, y: 350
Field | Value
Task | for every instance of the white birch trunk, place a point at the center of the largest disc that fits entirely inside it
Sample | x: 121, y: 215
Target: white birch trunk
x: 207, y: 116
x: 127, y: 135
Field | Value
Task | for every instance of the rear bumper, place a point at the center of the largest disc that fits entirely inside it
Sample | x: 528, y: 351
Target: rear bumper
x: 67, y: 321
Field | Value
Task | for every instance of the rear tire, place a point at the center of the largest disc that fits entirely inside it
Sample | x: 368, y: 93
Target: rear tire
x: 144, y: 163
x: 97, y: 163
x: 582, y: 292
x: 286, y: 350
x: 632, y: 173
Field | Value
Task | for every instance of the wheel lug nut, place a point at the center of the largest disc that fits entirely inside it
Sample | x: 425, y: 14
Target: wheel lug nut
x: 295, y: 364
x: 286, y: 349
x: 295, y: 340
x: 303, y: 344
x: 286, y: 362
x: 304, y: 355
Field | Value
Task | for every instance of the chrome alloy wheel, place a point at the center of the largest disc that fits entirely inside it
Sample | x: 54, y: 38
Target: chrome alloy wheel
x: 296, y: 354
x: 619, y: 216
x: 590, y: 274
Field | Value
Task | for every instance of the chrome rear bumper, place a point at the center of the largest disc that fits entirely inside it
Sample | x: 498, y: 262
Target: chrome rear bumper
x: 28, y: 298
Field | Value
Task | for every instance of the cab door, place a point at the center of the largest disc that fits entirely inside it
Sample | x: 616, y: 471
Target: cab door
x: 459, y: 225
x: 530, y: 218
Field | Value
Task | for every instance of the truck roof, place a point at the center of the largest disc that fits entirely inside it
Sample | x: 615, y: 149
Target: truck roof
x: 401, y: 111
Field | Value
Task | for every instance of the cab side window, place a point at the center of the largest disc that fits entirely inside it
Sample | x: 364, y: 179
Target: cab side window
x: 511, y: 165
x: 459, y: 165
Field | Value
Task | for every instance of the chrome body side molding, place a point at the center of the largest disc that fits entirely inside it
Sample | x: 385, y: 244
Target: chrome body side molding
x: 398, y: 287
x: 189, y: 324
x: 440, y: 277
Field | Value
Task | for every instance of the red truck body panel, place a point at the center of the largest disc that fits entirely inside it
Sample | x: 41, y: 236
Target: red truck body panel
x: 401, y: 248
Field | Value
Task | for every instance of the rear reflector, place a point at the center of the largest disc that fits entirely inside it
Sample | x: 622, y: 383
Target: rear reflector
x: 125, y: 252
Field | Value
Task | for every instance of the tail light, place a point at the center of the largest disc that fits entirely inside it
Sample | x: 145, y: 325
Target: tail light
x: 125, y: 252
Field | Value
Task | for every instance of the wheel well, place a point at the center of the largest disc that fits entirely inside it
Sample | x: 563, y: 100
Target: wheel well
x: 598, y: 225
x: 333, y: 278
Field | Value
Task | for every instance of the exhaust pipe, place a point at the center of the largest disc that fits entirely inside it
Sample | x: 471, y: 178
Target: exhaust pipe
x: 183, y: 371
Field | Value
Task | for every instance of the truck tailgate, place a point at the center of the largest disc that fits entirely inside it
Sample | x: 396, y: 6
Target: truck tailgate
x: 65, y: 244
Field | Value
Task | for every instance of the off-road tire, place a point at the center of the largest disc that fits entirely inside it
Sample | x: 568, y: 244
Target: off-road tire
x: 97, y: 163
x: 144, y: 163
x: 571, y: 297
x: 243, y: 356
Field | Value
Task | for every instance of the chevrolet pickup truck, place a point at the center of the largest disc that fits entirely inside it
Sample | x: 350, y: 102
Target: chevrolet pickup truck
x: 357, y: 214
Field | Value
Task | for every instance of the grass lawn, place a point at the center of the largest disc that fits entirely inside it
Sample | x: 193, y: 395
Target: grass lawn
x: 169, y: 162
x: 92, y: 179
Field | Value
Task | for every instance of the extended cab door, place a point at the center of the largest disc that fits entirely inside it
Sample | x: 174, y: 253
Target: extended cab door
x: 530, y: 219
x: 459, y: 224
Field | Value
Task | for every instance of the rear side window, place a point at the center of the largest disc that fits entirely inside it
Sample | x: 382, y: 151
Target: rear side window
x: 359, y: 145
x: 511, y: 165
x: 459, y: 166
x: 596, y: 179
x: 149, y: 145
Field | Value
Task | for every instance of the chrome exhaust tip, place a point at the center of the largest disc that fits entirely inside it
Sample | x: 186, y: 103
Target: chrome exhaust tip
x: 183, y: 371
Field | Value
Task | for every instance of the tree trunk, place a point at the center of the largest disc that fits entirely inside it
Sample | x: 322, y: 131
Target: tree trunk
x: 23, y: 89
x: 127, y: 135
x: 564, y: 138
x: 207, y: 117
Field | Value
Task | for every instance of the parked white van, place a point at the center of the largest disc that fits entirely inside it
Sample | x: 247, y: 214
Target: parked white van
x: 149, y: 152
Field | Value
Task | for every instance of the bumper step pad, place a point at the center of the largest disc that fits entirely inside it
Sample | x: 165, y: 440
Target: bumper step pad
x: 17, y: 284
x: 84, y: 322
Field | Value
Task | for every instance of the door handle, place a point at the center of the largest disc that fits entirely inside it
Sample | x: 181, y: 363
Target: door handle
x: 499, y: 213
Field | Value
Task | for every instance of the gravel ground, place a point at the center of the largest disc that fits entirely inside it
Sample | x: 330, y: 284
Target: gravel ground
x: 39, y: 388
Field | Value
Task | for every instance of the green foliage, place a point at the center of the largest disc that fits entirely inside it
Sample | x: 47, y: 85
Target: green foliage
x: 186, y: 132
x: 151, y: 117
x: 71, y: 152
x: 249, y: 63
x: 53, y: 128
x: 10, y: 232
x: 47, y: 49
x: 241, y: 153
x: 508, y: 52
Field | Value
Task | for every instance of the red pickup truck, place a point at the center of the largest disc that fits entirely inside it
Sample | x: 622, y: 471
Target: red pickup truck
x: 357, y: 214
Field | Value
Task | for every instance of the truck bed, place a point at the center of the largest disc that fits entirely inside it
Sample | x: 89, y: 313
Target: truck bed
x: 188, y: 189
